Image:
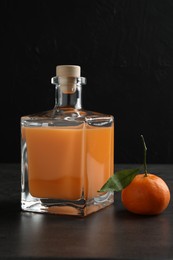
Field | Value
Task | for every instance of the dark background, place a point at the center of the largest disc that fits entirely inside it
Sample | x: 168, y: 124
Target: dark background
x: 125, y: 49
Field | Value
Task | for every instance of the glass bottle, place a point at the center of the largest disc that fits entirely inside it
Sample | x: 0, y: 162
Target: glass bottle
x: 67, y: 153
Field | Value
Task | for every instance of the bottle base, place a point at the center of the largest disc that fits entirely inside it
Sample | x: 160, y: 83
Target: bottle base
x: 80, y: 208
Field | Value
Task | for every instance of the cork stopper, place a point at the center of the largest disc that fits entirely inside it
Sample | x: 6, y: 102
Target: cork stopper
x: 68, y: 71
x: 68, y: 75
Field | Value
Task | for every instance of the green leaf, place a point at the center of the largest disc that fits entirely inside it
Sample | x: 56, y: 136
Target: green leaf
x: 120, y: 180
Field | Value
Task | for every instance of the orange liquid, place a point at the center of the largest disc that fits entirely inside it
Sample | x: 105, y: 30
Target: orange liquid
x: 64, y: 162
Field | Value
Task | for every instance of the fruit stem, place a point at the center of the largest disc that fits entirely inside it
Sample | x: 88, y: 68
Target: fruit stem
x: 145, y: 156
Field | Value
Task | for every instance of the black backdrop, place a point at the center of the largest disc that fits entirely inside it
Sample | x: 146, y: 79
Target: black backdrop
x: 125, y: 49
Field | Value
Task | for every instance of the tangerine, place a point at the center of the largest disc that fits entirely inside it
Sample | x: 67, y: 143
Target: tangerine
x: 147, y: 194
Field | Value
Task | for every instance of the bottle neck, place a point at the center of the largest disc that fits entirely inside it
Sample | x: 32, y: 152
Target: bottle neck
x: 68, y: 92
x: 68, y: 100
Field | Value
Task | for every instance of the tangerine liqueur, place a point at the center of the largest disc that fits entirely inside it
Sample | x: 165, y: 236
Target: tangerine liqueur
x: 67, y: 153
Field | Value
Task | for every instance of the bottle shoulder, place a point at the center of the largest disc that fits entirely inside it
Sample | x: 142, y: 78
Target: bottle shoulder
x: 66, y: 117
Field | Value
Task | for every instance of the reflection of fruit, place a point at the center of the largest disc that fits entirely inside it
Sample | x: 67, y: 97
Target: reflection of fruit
x: 147, y: 194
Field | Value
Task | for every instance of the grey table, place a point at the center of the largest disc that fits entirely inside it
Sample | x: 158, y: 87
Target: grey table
x: 112, y: 233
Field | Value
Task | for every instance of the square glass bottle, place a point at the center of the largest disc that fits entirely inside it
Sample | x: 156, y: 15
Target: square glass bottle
x: 67, y: 153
